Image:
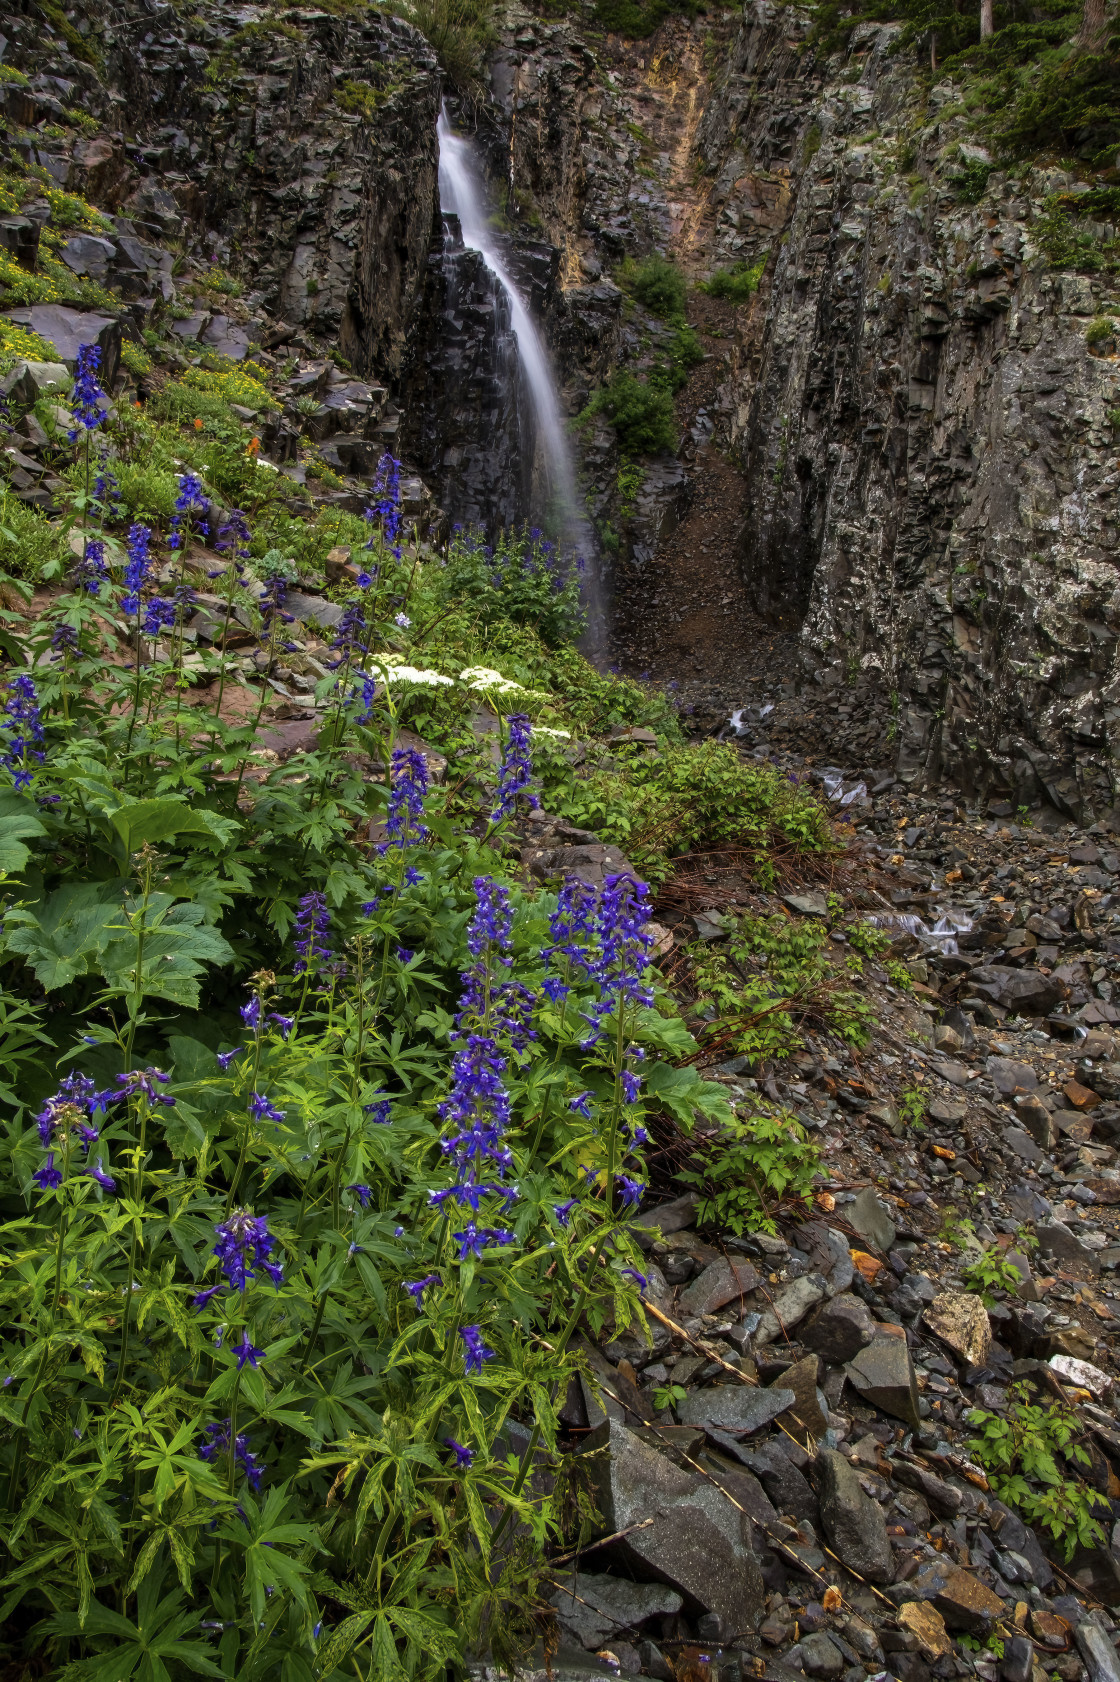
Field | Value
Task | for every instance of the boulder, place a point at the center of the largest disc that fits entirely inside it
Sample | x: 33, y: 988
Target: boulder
x: 1055, y: 1239
x: 789, y: 1307
x: 925, y: 1622
x: 854, y: 1524
x: 820, y: 1655
x: 960, y: 1320
x: 66, y: 329
x: 839, y: 1329
x: 788, y: 1489
x: 735, y: 1407
x: 698, y: 1544
x: 723, y: 1282
x: 883, y: 1374
x: 806, y: 1411
x: 595, y: 1609
x: 967, y: 1604
x: 1026, y: 991
x: 871, y: 1219
x: 1098, y: 1652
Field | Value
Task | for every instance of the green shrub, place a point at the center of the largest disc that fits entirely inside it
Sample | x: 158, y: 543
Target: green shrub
x: 970, y: 181
x: 1021, y: 1455
x: 637, y: 19
x: 738, y: 283
x: 459, y: 32
x: 29, y: 544
x: 685, y: 352
x: 641, y: 414
x: 748, y: 1168
x: 1099, y: 330
x: 658, y: 284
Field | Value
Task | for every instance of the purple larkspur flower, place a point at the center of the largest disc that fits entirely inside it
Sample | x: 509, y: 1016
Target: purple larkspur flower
x: 464, y: 1457
x: 563, y: 1211
x: 417, y: 1287
x: 22, y: 731
x: 244, y: 1245
x: 246, y: 1351
x: 87, y: 396
x: 262, y: 1110
x: 474, y: 1349
x: 192, y: 509
x: 91, y: 572
x: 160, y: 614
x: 312, y: 922
x: 473, y: 1239
x: 630, y: 1191
x: 284, y: 1024
x: 516, y: 770
x: 404, y: 825
x: 105, y: 1181
x: 362, y: 1193
x: 216, y: 1447
x: 225, y: 1058
x: 581, y: 1104
x: 379, y: 1111
x: 137, y: 567
x: 48, y: 1177
x: 251, y: 1013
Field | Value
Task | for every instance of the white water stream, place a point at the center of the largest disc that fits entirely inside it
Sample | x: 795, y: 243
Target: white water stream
x: 461, y: 193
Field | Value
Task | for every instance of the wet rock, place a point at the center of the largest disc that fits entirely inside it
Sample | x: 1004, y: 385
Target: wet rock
x: 868, y: 1214
x: 806, y: 1410
x: 1055, y: 1239
x: 591, y: 862
x: 1018, y: 1660
x: 813, y: 903
x: 699, y: 1544
x: 942, y: 1497
x: 1025, y: 1148
x: 1009, y: 1077
x: 786, y: 1486
x: 883, y: 1374
x: 1083, y: 1374
x: 675, y: 1216
x: 1098, y: 1652
x: 723, y: 1282
x: 593, y: 1609
x: 853, y: 1523
x: 789, y: 1307
x: 960, y: 1320
x: 735, y: 1407
x: 1025, y: 992
x: 925, y: 1622
x: 967, y: 1604
x: 839, y: 1329
x: 820, y: 1655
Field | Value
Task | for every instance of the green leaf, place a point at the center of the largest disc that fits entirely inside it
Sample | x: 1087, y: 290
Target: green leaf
x: 18, y: 822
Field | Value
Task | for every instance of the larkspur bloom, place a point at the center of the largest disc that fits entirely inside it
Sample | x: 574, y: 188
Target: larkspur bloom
x: 273, y: 597
x: 379, y: 1110
x: 47, y: 1177
x: 284, y: 1024
x: 516, y: 770
x: 639, y: 1278
x: 623, y: 951
x: 582, y: 1104
x: 631, y: 1086
x: 202, y: 1298
x: 312, y: 922
x: 91, y: 572
x: 362, y: 1193
x: 412, y: 876
x: 244, y: 1245
x: 250, y: 1013
x: 225, y: 1058
x: 555, y: 988
x: 630, y: 1191
x: 87, y: 396
x: 464, y: 1457
x: 21, y: 731
x: 234, y: 534
x: 191, y: 501
x: 105, y: 1181
x: 474, y: 1349
x: 216, y: 1447
x: 385, y: 502
x: 146, y: 1081
x: 563, y: 1211
x: 351, y: 634
x: 418, y: 1286
x: 107, y: 491
x: 404, y: 956
x: 246, y: 1351
x: 261, y: 1110
x: 159, y: 615
x: 137, y: 568
x: 77, y: 1096
x: 403, y: 621
x: 474, y: 1239
x: 404, y: 825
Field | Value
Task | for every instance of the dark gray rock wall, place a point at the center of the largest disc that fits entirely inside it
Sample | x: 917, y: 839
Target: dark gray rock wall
x: 925, y: 432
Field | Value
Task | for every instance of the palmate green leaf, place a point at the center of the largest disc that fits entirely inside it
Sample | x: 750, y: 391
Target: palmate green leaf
x: 140, y: 823
x: 19, y: 822
x: 426, y: 1634
x: 387, y: 1666
x: 63, y: 936
x: 178, y: 945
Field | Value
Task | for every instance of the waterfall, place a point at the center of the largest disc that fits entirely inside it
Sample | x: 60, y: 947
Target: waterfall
x: 462, y: 194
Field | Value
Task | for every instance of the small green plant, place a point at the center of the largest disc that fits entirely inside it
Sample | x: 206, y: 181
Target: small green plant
x: 970, y: 181
x: 1021, y: 1455
x: 1099, y: 330
x: 913, y: 1106
x: 898, y: 975
x: 990, y: 1271
x: 749, y: 1168
x: 738, y: 283
x: 657, y: 283
x: 641, y: 414
x: 631, y: 478
x: 668, y: 1396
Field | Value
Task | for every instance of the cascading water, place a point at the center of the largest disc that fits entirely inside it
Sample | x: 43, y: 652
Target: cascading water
x: 462, y: 195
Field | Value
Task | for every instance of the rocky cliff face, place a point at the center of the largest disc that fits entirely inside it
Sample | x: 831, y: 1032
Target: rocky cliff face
x: 298, y: 150
x: 925, y: 432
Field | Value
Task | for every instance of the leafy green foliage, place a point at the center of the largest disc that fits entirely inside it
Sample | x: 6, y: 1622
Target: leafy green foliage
x: 1026, y: 1456
x: 990, y: 1271
x: 685, y: 352
x: 657, y: 283
x: 738, y: 283
x: 641, y: 414
x: 913, y: 1106
x: 637, y: 19
x: 748, y: 1168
